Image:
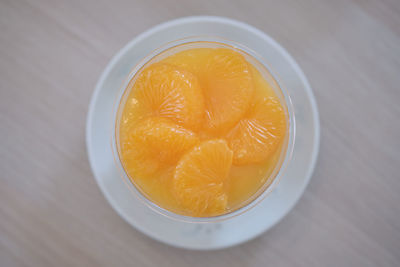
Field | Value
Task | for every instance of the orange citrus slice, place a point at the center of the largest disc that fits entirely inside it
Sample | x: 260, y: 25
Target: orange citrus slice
x: 200, y: 176
x: 192, y: 60
x: 154, y: 144
x: 165, y: 91
x: 256, y: 136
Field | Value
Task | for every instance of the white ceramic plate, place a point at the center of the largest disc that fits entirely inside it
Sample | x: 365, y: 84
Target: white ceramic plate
x: 235, y: 230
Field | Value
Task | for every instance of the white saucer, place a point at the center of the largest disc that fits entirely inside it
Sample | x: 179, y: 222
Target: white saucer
x: 235, y: 230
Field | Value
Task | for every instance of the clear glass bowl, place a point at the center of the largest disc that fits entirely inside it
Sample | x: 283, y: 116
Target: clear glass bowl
x: 262, y: 66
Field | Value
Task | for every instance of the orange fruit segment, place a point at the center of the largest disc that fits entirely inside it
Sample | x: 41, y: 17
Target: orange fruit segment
x: 193, y: 60
x: 153, y: 145
x: 225, y: 79
x: 258, y: 134
x: 165, y: 91
x: 228, y: 88
x: 200, y: 176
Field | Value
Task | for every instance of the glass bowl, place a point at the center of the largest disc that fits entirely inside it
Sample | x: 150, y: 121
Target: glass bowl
x: 272, y: 78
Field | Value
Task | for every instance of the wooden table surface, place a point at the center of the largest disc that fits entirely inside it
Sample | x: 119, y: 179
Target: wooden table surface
x: 51, y: 210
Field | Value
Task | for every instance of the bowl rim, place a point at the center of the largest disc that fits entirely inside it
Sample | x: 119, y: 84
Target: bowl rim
x: 277, y: 173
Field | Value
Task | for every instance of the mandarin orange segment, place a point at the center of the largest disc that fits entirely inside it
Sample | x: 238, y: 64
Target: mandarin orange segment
x: 165, y: 91
x: 228, y: 89
x: 225, y: 79
x: 192, y: 60
x: 154, y: 144
x: 200, y: 177
x: 256, y: 136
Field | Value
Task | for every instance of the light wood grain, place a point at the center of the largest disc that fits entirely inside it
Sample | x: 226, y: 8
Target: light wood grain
x: 52, y: 212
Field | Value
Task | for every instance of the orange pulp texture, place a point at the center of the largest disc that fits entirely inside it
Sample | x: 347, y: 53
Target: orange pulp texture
x: 201, y: 131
